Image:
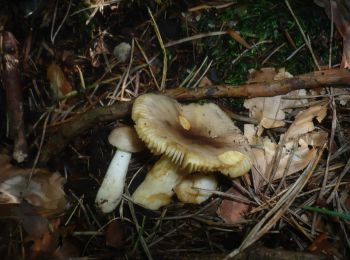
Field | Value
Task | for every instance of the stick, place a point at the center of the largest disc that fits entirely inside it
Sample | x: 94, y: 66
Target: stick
x: 65, y: 133
x: 62, y: 135
x: 12, y: 83
x: 317, y: 79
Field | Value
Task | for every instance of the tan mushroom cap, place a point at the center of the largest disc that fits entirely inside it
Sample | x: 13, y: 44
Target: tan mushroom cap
x: 197, y: 137
x: 125, y: 138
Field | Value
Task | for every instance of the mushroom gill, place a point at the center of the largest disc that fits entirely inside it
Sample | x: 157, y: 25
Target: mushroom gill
x: 197, y: 137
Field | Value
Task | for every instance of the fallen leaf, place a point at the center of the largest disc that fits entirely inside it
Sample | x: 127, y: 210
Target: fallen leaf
x: 295, y: 155
x: 303, y: 121
x: 59, y: 84
x: 115, y: 234
x: 271, y: 111
x: 70, y: 248
x: 232, y: 211
x: 44, y: 246
x: 40, y: 188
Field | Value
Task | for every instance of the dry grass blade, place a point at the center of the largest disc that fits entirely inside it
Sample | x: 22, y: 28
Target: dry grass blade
x: 279, y: 209
x: 195, y: 37
x: 138, y: 228
x: 341, y: 176
x: 160, y: 40
x: 307, y: 41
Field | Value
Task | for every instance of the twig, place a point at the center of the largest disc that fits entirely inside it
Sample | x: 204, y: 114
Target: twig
x: 317, y: 79
x: 249, y: 49
x: 331, y: 140
x: 342, y: 174
x: 81, y: 123
x: 53, y: 35
x: 148, y: 63
x: 306, y: 40
x: 160, y: 40
x: 66, y: 132
x: 331, y: 37
x: 295, y: 52
x: 195, y: 37
x: 272, y: 53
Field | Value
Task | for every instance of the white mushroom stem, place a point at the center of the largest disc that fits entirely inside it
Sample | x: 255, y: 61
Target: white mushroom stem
x: 158, y: 187
x: 112, y: 187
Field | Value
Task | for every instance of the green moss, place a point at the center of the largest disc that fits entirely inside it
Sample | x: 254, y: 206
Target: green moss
x: 264, y: 20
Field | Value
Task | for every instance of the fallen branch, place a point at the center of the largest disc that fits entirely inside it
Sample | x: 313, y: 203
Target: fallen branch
x: 65, y: 133
x: 317, y: 79
x: 11, y: 80
x: 62, y: 135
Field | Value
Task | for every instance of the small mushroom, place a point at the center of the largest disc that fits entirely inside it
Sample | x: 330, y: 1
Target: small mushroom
x: 194, y: 137
x: 110, y: 193
x: 196, y: 188
x: 157, y: 188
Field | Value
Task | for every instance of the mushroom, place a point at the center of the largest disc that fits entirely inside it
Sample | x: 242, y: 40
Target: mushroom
x: 110, y: 193
x: 157, y: 188
x: 194, y: 137
x: 196, y: 188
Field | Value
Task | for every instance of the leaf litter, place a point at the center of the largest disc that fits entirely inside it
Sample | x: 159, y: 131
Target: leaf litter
x: 288, y: 134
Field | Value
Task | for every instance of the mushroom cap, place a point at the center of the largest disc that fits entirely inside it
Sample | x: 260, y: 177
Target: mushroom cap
x: 125, y: 138
x: 196, y: 188
x: 197, y: 137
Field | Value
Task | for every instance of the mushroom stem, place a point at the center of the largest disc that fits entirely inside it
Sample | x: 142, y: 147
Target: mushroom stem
x: 112, y: 187
x: 158, y: 187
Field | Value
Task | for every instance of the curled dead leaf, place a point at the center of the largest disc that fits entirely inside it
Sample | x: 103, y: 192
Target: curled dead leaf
x: 271, y: 111
x: 59, y: 84
x: 40, y: 188
x: 303, y: 121
x: 295, y: 155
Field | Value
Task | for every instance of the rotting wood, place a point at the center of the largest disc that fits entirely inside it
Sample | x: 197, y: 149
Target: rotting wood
x: 60, y: 136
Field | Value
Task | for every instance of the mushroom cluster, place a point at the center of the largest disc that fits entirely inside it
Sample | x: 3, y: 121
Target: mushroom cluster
x: 193, y: 140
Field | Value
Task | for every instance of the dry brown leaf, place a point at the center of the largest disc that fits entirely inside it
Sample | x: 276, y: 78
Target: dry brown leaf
x: 44, y: 190
x: 262, y: 75
x: 303, y: 121
x: 44, y: 246
x: 70, y: 248
x: 232, y: 211
x: 115, y: 234
x: 59, y: 84
x: 299, y: 151
x: 270, y: 111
